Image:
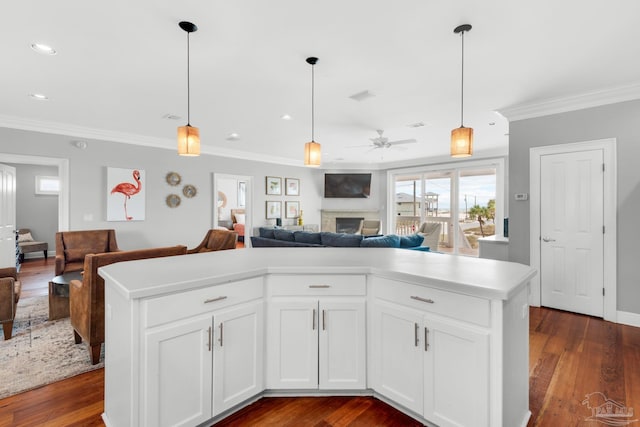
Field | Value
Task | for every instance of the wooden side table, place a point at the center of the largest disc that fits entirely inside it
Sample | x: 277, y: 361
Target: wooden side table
x: 59, y: 294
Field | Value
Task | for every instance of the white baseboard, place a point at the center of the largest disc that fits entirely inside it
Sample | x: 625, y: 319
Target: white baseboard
x: 627, y: 318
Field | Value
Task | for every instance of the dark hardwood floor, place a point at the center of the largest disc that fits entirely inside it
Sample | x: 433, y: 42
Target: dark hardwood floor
x: 571, y: 355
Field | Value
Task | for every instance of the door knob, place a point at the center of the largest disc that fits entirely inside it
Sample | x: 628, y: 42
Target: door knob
x: 548, y: 239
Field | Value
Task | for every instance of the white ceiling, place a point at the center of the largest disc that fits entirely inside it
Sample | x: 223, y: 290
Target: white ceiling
x: 121, y: 67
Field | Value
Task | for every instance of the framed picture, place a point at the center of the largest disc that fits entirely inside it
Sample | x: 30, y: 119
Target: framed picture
x: 274, y: 185
x: 274, y: 210
x: 125, y: 194
x: 292, y: 187
x: 292, y: 209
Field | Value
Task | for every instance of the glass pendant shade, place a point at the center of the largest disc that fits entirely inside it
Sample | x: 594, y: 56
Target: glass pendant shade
x: 188, y: 141
x: 312, y: 154
x: 462, y: 142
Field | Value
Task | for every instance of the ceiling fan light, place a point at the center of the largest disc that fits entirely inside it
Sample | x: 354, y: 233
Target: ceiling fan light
x: 462, y: 142
x: 312, y: 154
x: 188, y: 141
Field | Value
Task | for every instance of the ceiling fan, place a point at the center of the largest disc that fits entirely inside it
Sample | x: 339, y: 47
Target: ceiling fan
x: 383, y: 141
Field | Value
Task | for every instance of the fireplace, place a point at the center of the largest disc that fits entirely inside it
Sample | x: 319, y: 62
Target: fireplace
x: 348, y: 225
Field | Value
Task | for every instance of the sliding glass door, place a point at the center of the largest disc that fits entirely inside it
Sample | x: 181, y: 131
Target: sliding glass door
x: 461, y: 203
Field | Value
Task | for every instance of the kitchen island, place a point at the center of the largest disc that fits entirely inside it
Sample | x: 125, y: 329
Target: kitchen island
x: 191, y: 339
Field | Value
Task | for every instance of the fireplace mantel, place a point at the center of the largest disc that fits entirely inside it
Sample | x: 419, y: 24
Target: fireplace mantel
x: 328, y: 216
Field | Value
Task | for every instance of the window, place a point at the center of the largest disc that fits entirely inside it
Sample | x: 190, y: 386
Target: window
x: 466, y: 199
x: 47, y: 185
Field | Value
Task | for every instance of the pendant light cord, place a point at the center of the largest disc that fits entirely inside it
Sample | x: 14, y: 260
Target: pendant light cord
x: 462, y: 84
x: 312, y: 101
x: 188, y: 85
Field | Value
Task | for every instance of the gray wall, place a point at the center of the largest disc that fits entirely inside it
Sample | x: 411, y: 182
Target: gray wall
x: 187, y: 223
x: 38, y: 212
x: 618, y: 121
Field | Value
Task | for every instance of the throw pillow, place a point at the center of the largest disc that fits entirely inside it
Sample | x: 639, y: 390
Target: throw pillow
x: 267, y: 233
x: 340, y: 240
x: 307, y: 237
x: 388, y: 241
x: 25, y: 237
x: 285, y: 235
x: 411, y: 240
x: 239, y: 218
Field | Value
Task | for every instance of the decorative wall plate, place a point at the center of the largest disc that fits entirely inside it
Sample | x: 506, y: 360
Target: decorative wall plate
x: 189, y: 191
x: 173, y: 200
x: 173, y: 178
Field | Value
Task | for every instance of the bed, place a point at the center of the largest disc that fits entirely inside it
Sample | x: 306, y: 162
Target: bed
x: 238, y: 216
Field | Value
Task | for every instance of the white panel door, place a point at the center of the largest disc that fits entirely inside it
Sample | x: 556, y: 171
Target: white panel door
x: 177, y: 373
x: 398, y: 360
x: 237, y: 355
x: 571, y: 231
x: 342, y: 356
x: 292, y: 350
x: 7, y: 216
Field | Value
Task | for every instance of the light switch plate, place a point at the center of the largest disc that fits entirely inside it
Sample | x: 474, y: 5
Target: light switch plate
x: 521, y: 196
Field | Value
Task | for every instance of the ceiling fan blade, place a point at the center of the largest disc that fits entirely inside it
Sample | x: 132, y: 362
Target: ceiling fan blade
x: 402, y: 141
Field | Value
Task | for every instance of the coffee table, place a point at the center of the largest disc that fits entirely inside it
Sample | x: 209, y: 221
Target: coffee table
x: 59, y: 294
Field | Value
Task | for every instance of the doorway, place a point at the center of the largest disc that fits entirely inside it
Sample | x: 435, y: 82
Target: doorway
x: 573, y: 227
x: 232, y: 194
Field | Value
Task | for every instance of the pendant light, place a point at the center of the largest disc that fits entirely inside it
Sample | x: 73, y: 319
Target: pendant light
x: 312, y: 152
x: 462, y: 137
x: 188, y: 136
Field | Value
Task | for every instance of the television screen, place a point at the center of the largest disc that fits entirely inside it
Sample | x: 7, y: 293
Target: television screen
x: 347, y: 185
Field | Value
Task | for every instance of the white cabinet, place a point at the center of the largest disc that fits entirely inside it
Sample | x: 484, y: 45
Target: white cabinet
x: 237, y: 355
x: 197, y: 367
x: 178, y: 355
x: 316, y: 339
x: 432, y: 365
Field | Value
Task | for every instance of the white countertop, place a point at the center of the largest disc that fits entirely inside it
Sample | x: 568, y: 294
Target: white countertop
x: 472, y: 276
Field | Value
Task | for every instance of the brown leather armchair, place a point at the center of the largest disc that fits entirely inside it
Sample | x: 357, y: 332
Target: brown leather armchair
x: 10, y: 288
x: 216, y: 240
x: 72, y: 246
x: 86, y: 297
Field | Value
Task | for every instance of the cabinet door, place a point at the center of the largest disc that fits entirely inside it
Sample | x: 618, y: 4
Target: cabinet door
x: 292, y: 350
x: 398, y: 359
x: 177, y: 373
x: 237, y: 355
x: 342, y: 349
x: 456, y: 374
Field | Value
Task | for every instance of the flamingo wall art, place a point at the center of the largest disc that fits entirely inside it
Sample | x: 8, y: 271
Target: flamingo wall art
x: 126, y: 195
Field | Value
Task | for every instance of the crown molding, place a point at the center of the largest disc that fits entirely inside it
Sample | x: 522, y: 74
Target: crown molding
x: 572, y: 103
x: 75, y: 131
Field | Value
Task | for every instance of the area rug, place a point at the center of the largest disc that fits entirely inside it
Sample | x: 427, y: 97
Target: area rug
x: 40, y: 351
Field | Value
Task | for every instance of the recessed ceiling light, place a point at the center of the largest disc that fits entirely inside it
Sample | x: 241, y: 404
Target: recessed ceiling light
x: 43, y: 49
x: 38, y: 96
x: 492, y: 123
x: 285, y: 117
x: 233, y: 137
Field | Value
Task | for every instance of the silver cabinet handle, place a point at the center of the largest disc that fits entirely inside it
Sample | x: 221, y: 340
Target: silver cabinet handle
x: 548, y: 239
x: 426, y: 339
x: 415, y: 333
x: 209, y: 344
x: 319, y: 286
x: 207, y: 301
x: 221, y: 330
x: 313, y: 325
x: 324, y: 320
x: 427, y: 300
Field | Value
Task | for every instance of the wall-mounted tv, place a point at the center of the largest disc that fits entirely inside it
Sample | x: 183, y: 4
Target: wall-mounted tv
x: 347, y: 185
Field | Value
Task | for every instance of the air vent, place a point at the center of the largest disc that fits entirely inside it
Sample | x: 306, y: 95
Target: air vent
x: 416, y: 125
x: 362, y: 96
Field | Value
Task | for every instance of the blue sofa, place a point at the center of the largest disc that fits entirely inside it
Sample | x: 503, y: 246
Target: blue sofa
x: 277, y: 237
